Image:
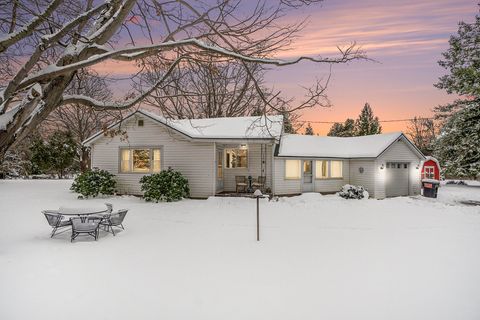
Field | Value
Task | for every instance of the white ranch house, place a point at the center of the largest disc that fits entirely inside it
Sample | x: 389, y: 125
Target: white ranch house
x: 210, y: 153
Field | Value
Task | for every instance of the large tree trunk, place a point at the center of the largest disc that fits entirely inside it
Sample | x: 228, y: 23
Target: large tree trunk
x: 84, y: 159
x: 33, y: 113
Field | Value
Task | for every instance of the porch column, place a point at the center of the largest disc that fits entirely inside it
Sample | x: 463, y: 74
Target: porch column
x: 214, y: 175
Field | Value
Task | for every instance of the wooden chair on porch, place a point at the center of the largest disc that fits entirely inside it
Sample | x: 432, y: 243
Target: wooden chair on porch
x: 259, y: 183
x: 241, y: 183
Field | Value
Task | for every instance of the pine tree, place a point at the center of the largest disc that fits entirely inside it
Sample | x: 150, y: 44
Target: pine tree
x: 347, y: 129
x: 458, y: 145
x: 461, y: 60
x: 287, y: 123
x: 309, y: 130
x: 366, y: 123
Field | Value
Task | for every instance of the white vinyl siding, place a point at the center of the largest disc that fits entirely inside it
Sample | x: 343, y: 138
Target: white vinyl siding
x: 195, y: 160
x: 399, y: 151
x: 365, y: 178
x: 285, y: 186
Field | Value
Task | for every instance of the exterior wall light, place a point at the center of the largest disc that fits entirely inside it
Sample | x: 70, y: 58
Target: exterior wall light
x: 417, y: 167
x: 382, y: 166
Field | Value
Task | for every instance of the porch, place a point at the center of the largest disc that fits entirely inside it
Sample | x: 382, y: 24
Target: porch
x: 242, y: 168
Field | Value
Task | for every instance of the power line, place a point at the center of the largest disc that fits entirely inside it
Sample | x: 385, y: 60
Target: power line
x: 392, y: 120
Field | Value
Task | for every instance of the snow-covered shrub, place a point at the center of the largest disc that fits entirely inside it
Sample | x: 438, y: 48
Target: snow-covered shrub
x: 353, y: 192
x: 459, y: 182
x: 91, y: 183
x: 168, y: 185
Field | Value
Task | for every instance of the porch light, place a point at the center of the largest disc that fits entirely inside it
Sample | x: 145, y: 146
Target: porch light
x: 418, y: 166
x: 382, y: 166
x: 243, y: 146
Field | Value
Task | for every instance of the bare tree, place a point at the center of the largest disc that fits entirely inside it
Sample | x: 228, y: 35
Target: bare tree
x: 423, y: 133
x: 83, y: 121
x: 55, y: 39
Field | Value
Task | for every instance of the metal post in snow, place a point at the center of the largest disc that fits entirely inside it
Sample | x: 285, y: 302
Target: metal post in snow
x: 258, y: 194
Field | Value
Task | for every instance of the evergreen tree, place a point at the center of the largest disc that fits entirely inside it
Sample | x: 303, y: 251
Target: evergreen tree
x: 366, y: 123
x: 462, y: 61
x: 309, y: 130
x: 347, y: 129
x: 458, y: 145
x: 54, y: 155
x: 287, y: 123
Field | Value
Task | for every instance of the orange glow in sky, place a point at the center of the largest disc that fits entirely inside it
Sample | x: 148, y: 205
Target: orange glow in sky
x: 404, y: 38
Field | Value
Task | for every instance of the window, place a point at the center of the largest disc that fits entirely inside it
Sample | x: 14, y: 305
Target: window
x: 236, y: 158
x: 140, y: 123
x: 140, y: 160
x: 336, y: 169
x: 321, y: 167
x: 292, y: 169
x: 429, y: 173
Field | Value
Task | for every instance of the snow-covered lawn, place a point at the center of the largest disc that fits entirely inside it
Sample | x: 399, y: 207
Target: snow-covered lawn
x: 318, y: 258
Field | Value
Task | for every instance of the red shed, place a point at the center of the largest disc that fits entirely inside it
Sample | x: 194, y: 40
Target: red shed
x: 431, y: 169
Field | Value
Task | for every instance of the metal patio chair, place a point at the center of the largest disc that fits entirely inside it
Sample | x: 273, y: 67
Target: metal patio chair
x: 55, y: 220
x: 260, y: 183
x: 114, y: 220
x: 241, y: 183
x: 85, y: 225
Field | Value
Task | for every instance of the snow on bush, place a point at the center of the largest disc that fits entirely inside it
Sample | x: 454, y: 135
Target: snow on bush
x: 459, y: 182
x: 168, y: 185
x: 353, y: 192
x: 91, y: 183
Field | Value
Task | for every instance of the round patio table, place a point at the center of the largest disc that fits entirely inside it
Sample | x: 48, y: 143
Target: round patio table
x: 65, y: 211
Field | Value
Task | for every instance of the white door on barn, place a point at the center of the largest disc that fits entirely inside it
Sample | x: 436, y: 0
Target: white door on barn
x: 397, y: 178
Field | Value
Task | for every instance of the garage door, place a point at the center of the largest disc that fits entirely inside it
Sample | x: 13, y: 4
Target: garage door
x: 397, y: 179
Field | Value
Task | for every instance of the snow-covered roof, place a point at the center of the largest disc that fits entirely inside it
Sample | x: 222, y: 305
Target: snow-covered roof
x: 295, y: 145
x: 429, y: 158
x: 269, y: 127
x: 225, y: 128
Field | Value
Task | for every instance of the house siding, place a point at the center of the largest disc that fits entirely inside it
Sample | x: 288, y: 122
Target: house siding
x: 365, y: 179
x: 399, y: 151
x: 294, y: 186
x: 194, y: 160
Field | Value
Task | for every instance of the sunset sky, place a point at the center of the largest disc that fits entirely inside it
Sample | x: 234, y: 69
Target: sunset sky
x: 405, y: 38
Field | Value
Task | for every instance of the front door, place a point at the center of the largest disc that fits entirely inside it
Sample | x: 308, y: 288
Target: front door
x: 307, y: 177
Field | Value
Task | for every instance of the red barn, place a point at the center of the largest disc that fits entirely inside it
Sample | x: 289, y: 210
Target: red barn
x: 431, y: 169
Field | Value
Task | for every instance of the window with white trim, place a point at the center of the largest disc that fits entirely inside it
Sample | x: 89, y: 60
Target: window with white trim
x: 429, y: 172
x: 321, y: 169
x: 140, y: 160
x: 236, y: 158
x: 325, y: 169
x: 336, y: 169
x: 292, y: 169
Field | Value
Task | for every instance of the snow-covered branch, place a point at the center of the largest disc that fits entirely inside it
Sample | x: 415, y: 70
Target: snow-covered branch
x: 136, y: 53
x: 109, y: 105
x: 12, y: 38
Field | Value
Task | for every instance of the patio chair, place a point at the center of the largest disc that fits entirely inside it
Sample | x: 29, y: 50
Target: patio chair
x: 114, y: 220
x: 241, y: 183
x: 109, y: 207
x: 260, y: 183
x: 55, y: 220
x: 85, y: 225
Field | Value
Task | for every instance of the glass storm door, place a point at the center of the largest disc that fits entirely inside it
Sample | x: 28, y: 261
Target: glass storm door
x: 307, y: 176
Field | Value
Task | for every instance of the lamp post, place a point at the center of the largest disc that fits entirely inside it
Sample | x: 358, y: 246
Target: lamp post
x: 258, y: 194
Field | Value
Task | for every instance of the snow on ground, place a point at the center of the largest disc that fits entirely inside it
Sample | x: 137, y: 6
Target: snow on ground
x: 320, y: 257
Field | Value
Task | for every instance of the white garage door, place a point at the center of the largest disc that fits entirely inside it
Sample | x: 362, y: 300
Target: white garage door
x: 397, y: 179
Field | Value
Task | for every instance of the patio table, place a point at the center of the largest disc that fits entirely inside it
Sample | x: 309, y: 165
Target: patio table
x: 67, y: 211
